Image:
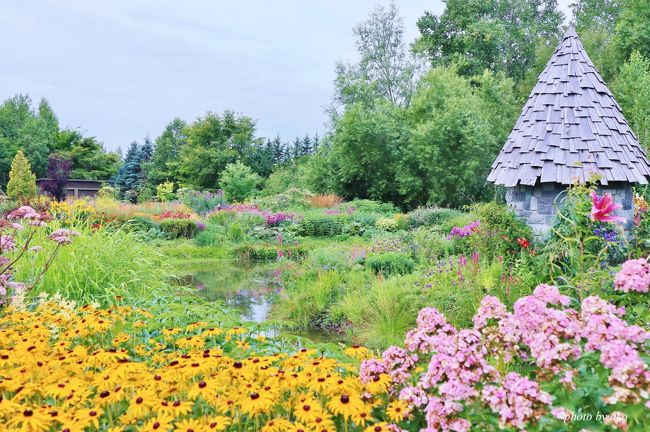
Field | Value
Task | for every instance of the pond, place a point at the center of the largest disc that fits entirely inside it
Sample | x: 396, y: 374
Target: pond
x: 246, y: 287
x: 243, y: 287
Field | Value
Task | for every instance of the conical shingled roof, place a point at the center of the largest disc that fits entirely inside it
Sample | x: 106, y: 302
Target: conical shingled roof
x: 570, y: 128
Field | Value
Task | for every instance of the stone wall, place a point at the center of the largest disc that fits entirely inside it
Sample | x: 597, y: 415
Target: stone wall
x: 537, y: 204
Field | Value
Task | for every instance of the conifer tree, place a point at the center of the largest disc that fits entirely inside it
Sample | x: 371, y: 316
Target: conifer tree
x: 22, y: 181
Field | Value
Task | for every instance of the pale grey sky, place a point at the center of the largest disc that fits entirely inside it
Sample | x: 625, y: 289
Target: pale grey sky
x: 122, y: 69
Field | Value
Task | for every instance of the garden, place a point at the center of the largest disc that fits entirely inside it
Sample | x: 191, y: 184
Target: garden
x: 366, y: 280
x: 297, y: 311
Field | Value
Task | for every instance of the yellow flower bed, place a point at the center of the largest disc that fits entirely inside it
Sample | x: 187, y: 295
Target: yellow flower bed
x: 71, y: 369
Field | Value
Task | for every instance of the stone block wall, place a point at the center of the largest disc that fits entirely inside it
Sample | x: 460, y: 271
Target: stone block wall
x: 536, y: 205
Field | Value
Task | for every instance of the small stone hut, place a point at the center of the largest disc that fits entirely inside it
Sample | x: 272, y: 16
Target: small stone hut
x: 570, y: 129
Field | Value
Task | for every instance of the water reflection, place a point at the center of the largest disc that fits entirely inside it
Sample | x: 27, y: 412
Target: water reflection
x: 246, y: 288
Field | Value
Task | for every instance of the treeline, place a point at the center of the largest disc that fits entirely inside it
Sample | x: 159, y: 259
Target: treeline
x: 36, y: 131
x: 410, y: 123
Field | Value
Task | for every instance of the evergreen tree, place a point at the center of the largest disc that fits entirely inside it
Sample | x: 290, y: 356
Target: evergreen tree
x: 305, y: 146
x: 130, y: 179
x: 295, y: 148
x: 278, y: 150
x: 22, y: 181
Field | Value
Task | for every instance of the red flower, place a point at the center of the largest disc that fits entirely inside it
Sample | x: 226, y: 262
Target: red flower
x: 523, y: 242
x: 602, y: 208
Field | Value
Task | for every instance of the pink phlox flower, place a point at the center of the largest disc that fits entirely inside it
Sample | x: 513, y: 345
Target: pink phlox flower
x: 634, y: 276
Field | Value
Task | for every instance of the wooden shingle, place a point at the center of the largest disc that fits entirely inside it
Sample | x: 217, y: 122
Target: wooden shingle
x: 570, y: 128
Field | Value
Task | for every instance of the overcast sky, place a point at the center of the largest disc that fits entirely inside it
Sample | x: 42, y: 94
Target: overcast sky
x: 122, y: 69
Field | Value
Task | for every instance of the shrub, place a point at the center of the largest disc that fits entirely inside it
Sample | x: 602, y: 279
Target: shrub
x: 323, y: 226
x: 369, y: 206
x: 238, y: 182
x: 212, y: 235
x: 179, y: 228
x: 329, y: 258
x: 22, y: 181
x: 201, y: 202
x: 291, y: 198
x: 325, y: 201
x: 165, y: 191
x: 492, y: 229
x: 391, y: 263
x: 426, y: 216
x: 428, y: 244
x: 387, y: 224
x: 265, y: 252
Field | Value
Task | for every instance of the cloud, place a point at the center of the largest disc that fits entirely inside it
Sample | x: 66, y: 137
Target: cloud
x: 122, y: 69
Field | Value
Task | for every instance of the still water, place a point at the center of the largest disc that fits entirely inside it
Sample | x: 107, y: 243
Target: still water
x: 249, y: 288
x: 246, y: 288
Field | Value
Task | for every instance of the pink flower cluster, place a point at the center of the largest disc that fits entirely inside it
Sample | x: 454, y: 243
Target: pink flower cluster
x: 9, y: 242
x: 516, y: 400
x: 634, y: 276
x: 464, y: 231
x: 541, y: 329
x: 63, y: 236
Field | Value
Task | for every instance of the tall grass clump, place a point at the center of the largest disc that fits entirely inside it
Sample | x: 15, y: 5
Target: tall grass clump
x: 382, y: 314
x: 107, y: 266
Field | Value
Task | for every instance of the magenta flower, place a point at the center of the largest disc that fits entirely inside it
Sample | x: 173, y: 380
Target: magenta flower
x: 602, y: 208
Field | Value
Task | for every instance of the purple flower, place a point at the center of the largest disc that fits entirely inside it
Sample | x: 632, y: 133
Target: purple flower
x: 465, y: 231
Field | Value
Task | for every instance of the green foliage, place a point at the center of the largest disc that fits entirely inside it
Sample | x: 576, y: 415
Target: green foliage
x: 632, y: 90
x: 387, y: 224
x: 238, y: 182
x: 574, y: 255
x: 309, y: 300
x: 386, y: 69
x: 165, y: 191
x: 499, y: 231
x: 90, y: 160
x: 365, y: 148
x: 633, y: 29
x: 292, y: 198
x: 382, y: 315
x: 177, y: 228
x: 452, y: 144
x: 105, y: 266
x: 391, y: 263
x: 32, y: 130
x: 428, y: 244
x: 164, y: 166
x: 369, y: 206
x: 427, y: 216
x: 22, y: 181
x: 321, y: 226
x: 267, y: 252
x: 212, y: 142
x: 498, y: 35
x: 201, y: 202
